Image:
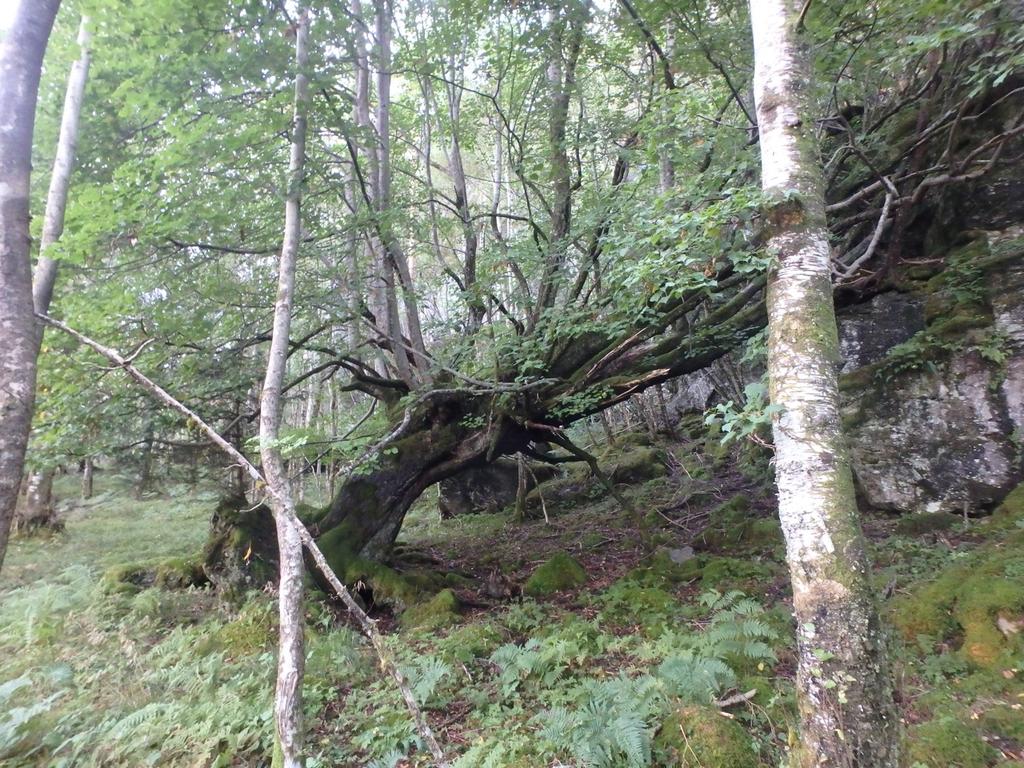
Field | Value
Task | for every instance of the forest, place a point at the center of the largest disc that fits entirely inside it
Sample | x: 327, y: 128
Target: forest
x: 512, y: 383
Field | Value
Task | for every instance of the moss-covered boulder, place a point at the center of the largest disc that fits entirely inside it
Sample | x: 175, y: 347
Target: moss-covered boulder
x: 180, y: 573
x: 487, y: 489
x: 442, y: 610
x: 559, y: 573
x: 947, y: 742
x: 700, y: 737
x: 562, y: 492
x: 637, y: 465
x: 127, y: 579
x: 979, y: 602
x: 253, y: 630
x: 932, y: 421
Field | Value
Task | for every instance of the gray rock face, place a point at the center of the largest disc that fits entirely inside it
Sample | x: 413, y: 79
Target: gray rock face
x: 936, y: 442
x: 486, y: 489
x: 868, y: 331
x: 1006, y: 287
x: 947, y: 435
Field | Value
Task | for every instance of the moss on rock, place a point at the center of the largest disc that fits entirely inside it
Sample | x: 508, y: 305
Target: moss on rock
x: 638, y: 465
x: 254, y: 630
x: 180, y: 573
x: 558, y: 573
x: 127, y: 579
x: 442, y: 610
x: 699, y: 737
x: 1010, y: 511
x: 946, y: 742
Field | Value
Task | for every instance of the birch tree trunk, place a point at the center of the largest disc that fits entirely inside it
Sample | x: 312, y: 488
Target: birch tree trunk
x: 21, y: 58
x: 38, y: 511
x: 291, y: 653
x: 844, y: 689
x: 87, y: 473
x: 60, y: 178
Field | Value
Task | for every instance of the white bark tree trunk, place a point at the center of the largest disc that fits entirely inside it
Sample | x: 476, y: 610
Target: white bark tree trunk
x: 844, y: 689
x: 21, y: 58
x: 87, y: 473
x: 291, y: 653
x: 38, y: 512
x: 60, y: 179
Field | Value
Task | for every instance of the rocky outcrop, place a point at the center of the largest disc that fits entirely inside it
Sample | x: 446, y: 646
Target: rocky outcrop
x: 933, y: 381
x: 869, y: 330
x: 935, y: 421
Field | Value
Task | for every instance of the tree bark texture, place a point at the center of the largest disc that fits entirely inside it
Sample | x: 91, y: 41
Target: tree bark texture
x: 844, y: 689
x: 291, y: 641
x: 60, y: 178
x: 21, y: 57
x: 38, y: 511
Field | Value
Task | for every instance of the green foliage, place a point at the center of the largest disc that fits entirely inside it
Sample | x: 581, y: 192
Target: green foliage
x: 537, y: 662
x: 606, y: 724
x: 917, y: 524
x: 750, y: 420
x: 441, y: 610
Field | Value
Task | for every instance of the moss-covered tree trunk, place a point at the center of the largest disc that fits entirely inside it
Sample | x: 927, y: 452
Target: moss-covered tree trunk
x: 440, y: 440
x: 845, y: 694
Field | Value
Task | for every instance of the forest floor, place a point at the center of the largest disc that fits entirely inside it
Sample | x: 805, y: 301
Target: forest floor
x: 601, y: 636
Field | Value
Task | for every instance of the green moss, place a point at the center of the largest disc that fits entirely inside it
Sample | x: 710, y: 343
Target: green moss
x: 442, y: 610
x: 966, y: 602
x: 127, y: 579
x: 714, y: 448
x: 254, y: 630
x: 1004, y: 721
x: 699, y: 737
x: 733, y: 571
x: 917, y: 524
x: 636, y: 466
x: 691, y: 425
x: 558, y: 573
x: 180, y: 573
x: 1011, y: 511
x: 660, y: 570
x: 762, y: 687
x: 730, y: 528
x: 948, y: 743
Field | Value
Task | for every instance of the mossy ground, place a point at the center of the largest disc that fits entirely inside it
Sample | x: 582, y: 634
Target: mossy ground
x: 143, y: 667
